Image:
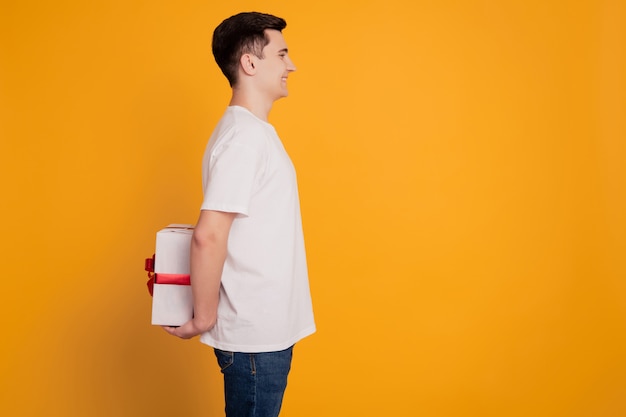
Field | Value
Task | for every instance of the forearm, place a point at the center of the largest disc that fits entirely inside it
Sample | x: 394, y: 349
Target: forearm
x: 208, y: 255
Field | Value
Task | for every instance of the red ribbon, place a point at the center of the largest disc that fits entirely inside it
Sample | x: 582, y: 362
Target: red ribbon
x: 172, y: 279
x: 149, y: 266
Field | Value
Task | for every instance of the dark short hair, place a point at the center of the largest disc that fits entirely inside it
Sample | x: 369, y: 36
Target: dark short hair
x: 240, y: 34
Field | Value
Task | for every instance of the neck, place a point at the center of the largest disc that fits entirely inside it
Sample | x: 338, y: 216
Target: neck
x: 252, y: 102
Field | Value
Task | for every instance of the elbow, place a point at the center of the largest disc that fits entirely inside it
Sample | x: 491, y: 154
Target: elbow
x: 208, y: 244
x: 203, y: 241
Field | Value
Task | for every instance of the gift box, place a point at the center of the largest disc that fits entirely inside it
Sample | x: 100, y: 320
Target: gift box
x: 172, y: 301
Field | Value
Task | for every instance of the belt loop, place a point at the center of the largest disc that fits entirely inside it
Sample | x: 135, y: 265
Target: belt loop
x: 252, y: 365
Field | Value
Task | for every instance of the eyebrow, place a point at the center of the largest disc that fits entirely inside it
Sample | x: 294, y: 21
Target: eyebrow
x: 285, y: 50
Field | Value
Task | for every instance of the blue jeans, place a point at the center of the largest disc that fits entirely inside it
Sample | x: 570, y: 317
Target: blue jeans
x: 254, y: 383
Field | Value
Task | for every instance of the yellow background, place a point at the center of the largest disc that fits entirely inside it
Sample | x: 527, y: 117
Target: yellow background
x: 462, y: 176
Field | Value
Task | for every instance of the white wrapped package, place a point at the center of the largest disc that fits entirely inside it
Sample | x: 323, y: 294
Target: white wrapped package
x: 172, y: 301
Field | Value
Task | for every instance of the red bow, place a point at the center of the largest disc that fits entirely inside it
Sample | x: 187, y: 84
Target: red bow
x: 173, y: 279
x: 150, y: 268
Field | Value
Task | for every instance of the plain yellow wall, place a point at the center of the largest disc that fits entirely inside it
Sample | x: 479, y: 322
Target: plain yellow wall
x: 462, y: 176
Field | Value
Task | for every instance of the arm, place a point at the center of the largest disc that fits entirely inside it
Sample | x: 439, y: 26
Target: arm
x: 208, y: 253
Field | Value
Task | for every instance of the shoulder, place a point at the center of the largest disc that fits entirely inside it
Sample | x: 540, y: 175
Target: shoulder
x: 241, y: 127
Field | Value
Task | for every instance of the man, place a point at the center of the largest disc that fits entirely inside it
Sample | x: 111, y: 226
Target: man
x: 248, y: 268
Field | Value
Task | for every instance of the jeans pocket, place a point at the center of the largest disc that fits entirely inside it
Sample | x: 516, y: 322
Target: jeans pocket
x: 224, y: 358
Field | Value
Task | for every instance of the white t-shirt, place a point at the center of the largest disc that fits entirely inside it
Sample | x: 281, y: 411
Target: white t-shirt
x: 265, y: 301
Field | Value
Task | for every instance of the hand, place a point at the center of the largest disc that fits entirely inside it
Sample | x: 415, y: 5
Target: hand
x: 187, y: 330
x: 175, y: 331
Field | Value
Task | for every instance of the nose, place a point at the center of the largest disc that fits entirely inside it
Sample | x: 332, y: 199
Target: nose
x: 290, y: 66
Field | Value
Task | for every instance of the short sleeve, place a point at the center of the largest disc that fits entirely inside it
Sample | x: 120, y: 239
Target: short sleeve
x: 233, y: 172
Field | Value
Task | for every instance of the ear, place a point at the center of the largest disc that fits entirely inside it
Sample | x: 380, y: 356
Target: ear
x: 248, y: 64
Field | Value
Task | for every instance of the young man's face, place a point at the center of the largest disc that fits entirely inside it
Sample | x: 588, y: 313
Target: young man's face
x: 275, y: 67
